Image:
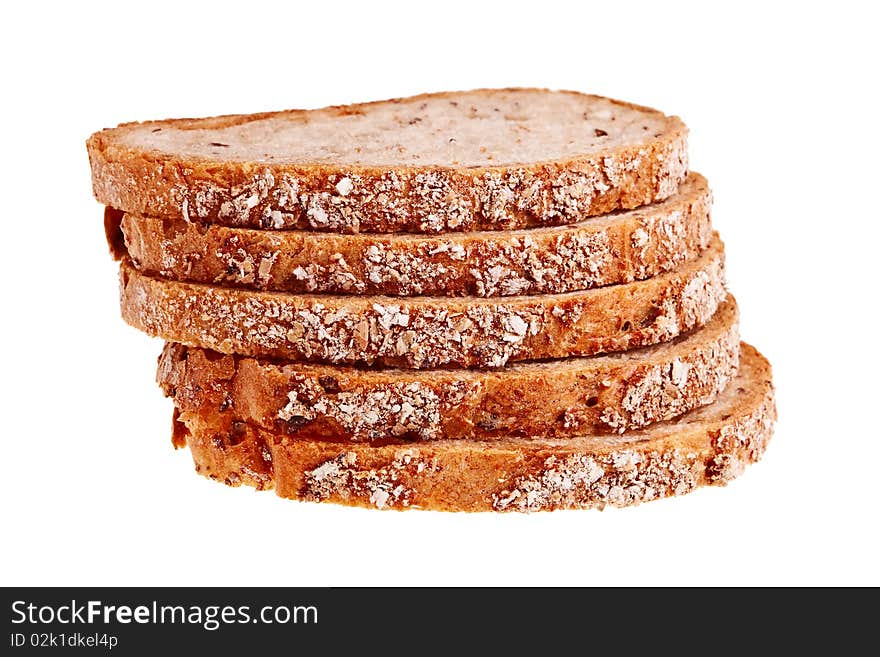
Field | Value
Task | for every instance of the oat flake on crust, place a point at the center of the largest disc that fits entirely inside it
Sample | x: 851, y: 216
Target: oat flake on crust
x: 342, y: 476
x: 396, y: 410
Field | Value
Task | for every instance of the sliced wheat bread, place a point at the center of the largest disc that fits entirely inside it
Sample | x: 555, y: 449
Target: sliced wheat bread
x: 424, y: 332
x: 461, y: 161
x: 549, y: 398
x: 618, y: 248
x: 708, y: 446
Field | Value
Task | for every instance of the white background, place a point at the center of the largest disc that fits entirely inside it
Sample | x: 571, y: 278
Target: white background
x: 781, y: 104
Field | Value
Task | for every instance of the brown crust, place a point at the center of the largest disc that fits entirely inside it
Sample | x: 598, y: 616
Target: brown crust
x: 427, y: 332
x: 428, y: 199
x: 709, y: 446
x: 620, y: 248
x: 553, y: 398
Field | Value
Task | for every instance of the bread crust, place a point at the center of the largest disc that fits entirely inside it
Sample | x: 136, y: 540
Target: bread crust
x: 388, y: 198
x: 708, y: 446
x: 553, y: 398
x: 620, y: 248
x: 426, y: 332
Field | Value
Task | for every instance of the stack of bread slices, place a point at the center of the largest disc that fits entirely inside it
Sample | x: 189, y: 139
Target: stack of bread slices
x: 506, y: 300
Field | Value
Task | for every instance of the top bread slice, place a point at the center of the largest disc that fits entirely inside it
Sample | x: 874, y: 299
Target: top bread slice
x: 459, y: 161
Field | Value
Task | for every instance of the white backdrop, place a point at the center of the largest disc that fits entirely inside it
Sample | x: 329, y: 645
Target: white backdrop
x: 781, y: 103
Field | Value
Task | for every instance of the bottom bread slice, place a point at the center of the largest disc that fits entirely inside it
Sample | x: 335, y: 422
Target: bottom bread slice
x: 707, y: 446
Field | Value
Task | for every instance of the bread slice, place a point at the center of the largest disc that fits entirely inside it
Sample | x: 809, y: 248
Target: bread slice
x: 618, y: 248
x: 708, y: 446
x: 485, y: 159
x: 424, y: 332
x: 549, y: 398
